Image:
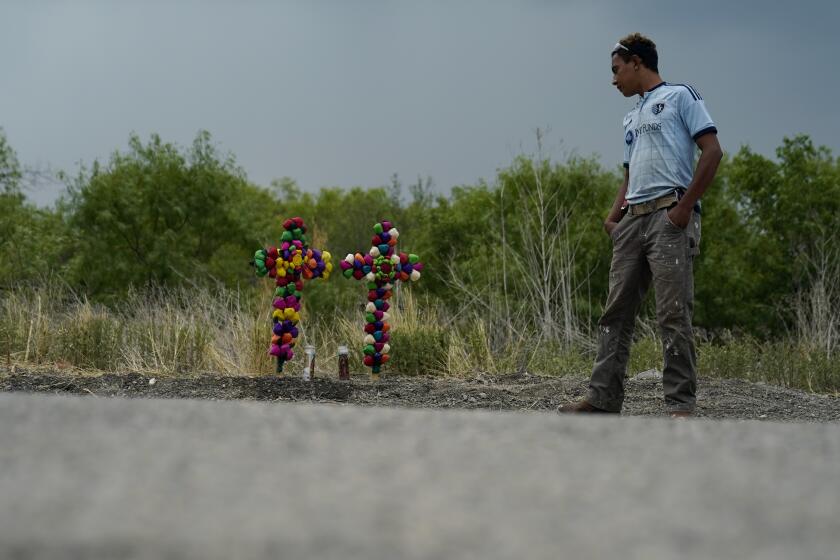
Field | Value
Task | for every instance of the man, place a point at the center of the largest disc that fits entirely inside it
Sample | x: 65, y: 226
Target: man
x: 654, y: 225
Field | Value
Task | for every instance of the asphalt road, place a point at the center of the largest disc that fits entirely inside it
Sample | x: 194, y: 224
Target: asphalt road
x: 87, y: 477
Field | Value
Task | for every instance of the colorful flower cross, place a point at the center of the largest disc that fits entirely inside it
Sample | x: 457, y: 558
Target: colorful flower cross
x: 290, y: 265
x: 380, y: 268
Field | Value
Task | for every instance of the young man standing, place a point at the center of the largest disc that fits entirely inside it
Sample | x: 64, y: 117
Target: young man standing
x: 654, y: 225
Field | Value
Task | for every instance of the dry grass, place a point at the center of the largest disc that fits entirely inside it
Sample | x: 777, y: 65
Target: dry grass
x: 184, y: 332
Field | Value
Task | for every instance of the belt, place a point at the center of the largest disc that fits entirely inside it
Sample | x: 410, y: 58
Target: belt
x: 653, y: 205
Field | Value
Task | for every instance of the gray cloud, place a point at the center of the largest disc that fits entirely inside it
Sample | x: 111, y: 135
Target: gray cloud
x: 346, y: 93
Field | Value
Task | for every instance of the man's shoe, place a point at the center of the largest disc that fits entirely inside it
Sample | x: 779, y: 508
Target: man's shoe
x: 582, y: 407
x: 680, y: 414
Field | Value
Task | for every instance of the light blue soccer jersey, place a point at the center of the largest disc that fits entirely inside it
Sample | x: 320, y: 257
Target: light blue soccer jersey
x: 659, y: 140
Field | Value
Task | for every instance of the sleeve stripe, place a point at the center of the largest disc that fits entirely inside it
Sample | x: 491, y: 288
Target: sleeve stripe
x: 691, y: 91
x: 697, y: 93
x: 705, y: 131
x: 626, y: 165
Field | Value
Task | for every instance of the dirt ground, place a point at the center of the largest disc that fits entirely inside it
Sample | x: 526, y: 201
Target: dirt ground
x: 717, y: 398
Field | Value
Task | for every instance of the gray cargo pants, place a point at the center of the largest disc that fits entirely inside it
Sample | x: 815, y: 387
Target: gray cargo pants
x: 649, y: 248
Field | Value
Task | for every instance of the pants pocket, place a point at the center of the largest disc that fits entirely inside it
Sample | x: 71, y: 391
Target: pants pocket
x: 670, y: 223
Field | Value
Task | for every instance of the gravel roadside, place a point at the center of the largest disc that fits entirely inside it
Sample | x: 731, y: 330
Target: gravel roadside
x: 717, y: 398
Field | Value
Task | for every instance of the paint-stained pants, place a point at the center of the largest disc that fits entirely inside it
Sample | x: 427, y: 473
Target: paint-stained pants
x: 649, y: 249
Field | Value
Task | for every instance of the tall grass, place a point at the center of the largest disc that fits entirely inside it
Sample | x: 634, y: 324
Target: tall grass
x: 817, y: 309
x: 185, y: 332
x: 524, y: 317
x: 164, y: 331
x: 425, y: 340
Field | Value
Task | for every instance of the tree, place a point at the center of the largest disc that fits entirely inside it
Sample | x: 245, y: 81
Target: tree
x: 10, y: 173
x: 527, y: 251
x: 764, y: 224
x: 31, y: 239
x: 158, y: 215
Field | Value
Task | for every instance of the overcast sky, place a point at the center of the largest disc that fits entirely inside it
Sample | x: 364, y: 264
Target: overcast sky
x: 348, y: 92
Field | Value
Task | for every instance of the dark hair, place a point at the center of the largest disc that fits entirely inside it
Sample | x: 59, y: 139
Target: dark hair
x: 641, y: 46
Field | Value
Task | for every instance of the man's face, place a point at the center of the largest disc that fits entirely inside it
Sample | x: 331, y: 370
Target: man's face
x: 625, y: 78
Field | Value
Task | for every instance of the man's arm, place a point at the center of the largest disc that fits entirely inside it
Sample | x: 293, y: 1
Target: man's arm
x: 710, y: 156
x: 615, y: 212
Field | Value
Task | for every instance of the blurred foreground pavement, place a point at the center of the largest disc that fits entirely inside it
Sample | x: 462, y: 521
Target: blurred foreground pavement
x: 87, y: 477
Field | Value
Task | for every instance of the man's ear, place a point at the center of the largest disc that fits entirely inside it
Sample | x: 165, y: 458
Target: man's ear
x: 636, y: 60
